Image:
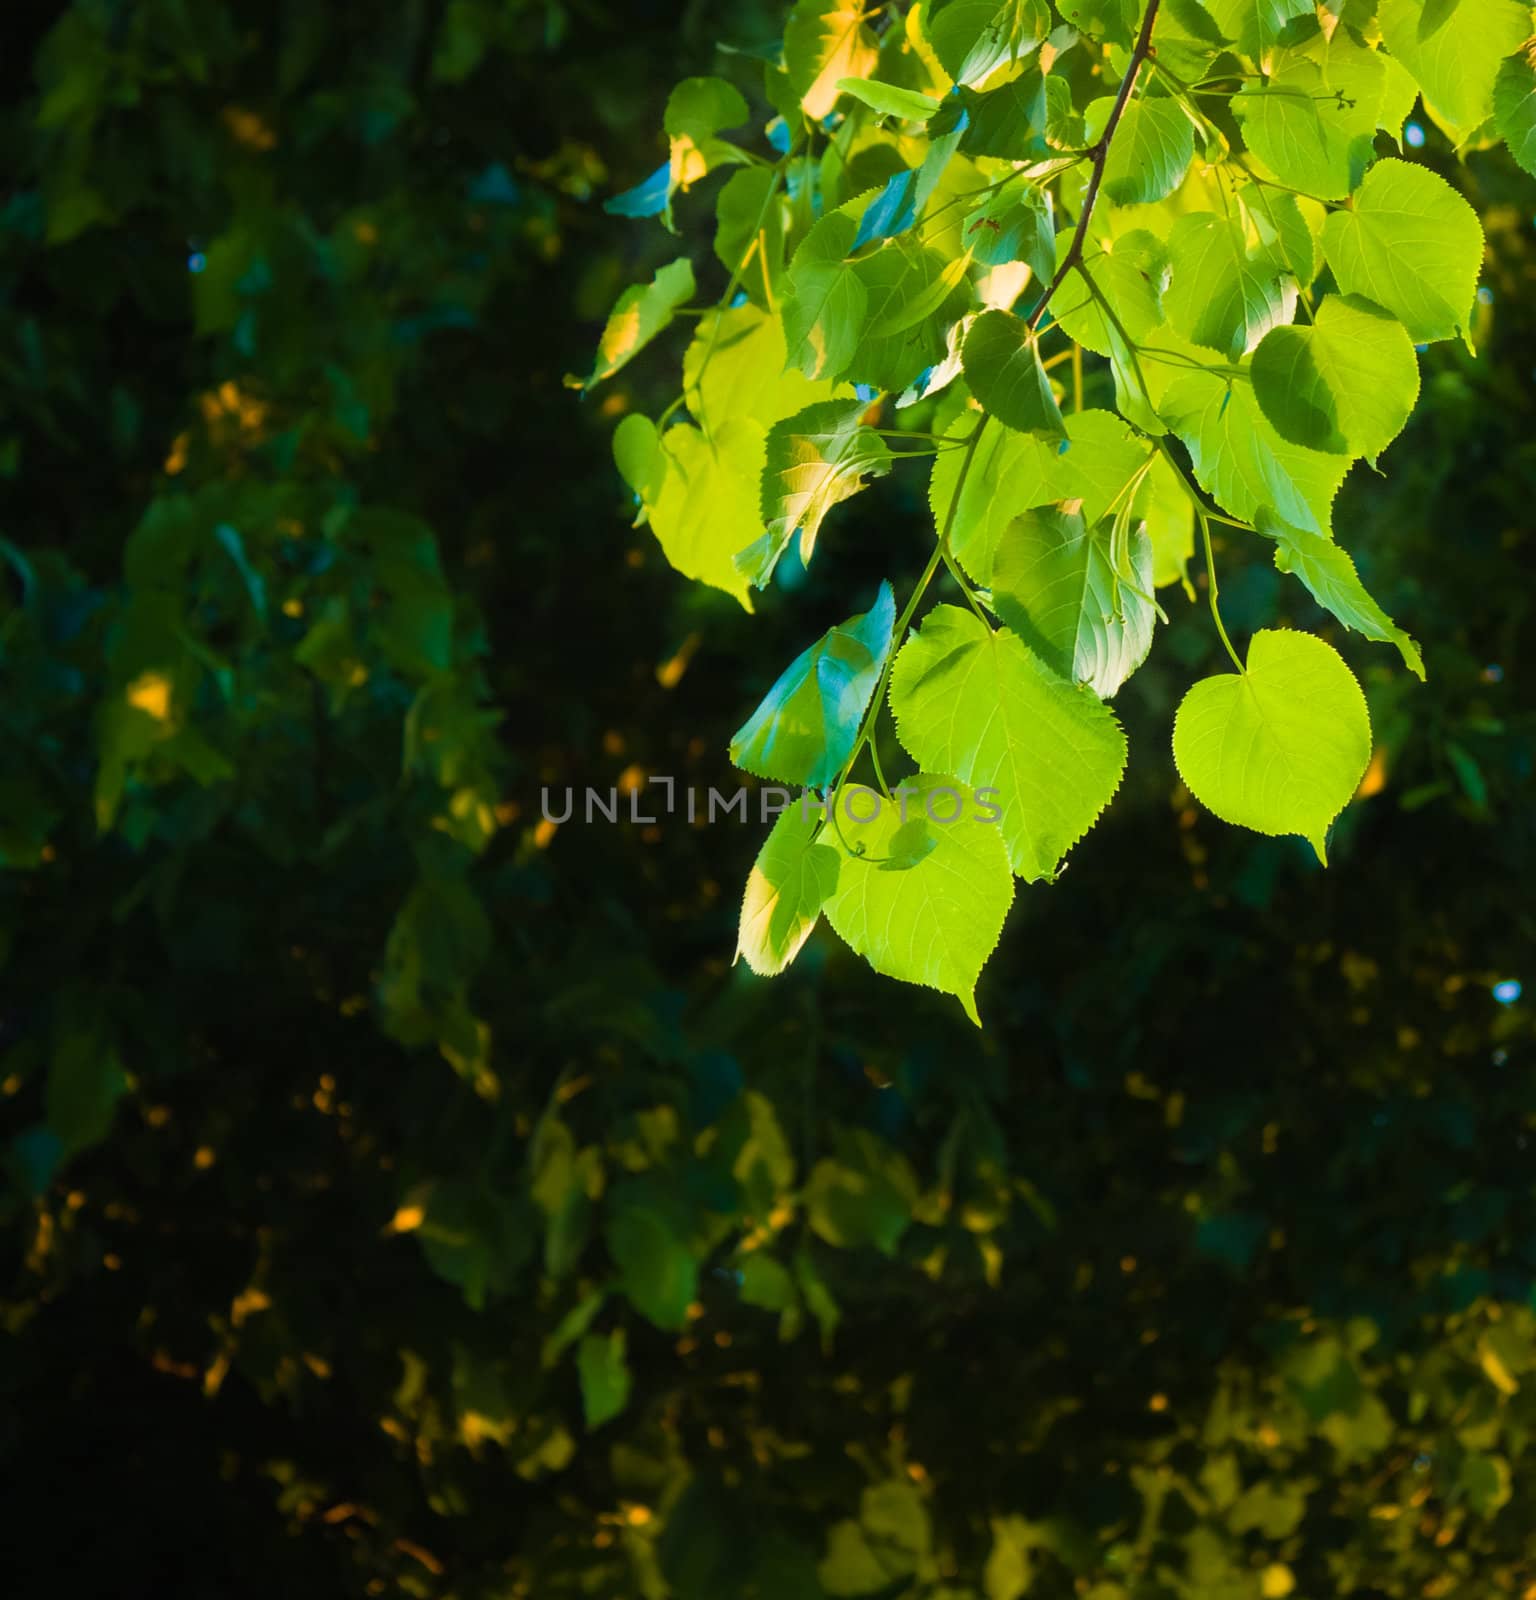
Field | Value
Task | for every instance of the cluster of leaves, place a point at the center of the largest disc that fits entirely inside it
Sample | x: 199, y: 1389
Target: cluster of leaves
x: 1206, y: 211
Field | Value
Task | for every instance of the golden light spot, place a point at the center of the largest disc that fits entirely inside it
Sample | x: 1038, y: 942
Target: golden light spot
x: 1276, y: 1581
x: 150, y: 692
x: 1375, y: 779
x: 917, y: 1472
x: 613, y: 743
x: 365, y: 233
x: 48, y: 853
x: 614, y: 405
x: 602, y: 1538
x: 542, y: 834
x: 176, y: 461
x: 507, y: 812
x: 317, y: 1364
x: 632, y: 779
x: 1158, y: 1402
x: 353, y: 1005
x: 1494, y: 1369
x: 1127, y: 1263
x: 112, y: 1261
x: 695, y: 1310
x: 407, y: 1218
x: 407, y: 1548
x: 204, y: 1158
x: 213, y: 1378
x: 247, y: 1303
x: 12, y: 1083
x: 157, y: 1116
x: 1268, y: 1438
x: 75, y: 1199
x: 248, y: 128
x: 723, y: 1339
x: 293, y: 607
x: 670, y: 673
x: 634, y: 558
x: 637, y: 1516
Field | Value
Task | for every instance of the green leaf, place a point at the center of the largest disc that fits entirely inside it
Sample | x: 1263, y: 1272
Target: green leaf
x: 1130, y: 272
x: 1454, y: 49
x: 815, y: 459
x: 791, y: 880
x: 1054, y: 583
x: 1313, y: 129
x: 1280, y: 747
x: 1149, y: 154
x: 863, y: 1199
x: 1012, y: 472
x: 1014, y: 225
x: 889, y: 101
x: 1113, y: 21
x: 640, y: 313
x: 735, y: 367
x: 1002, y: 367
x: 913, y: 296
x: 929, y: 916
x: 1221, y: 295
x: 981, y: 705
x: 702, y: 499
x: 1242, y: 462
x: 826, y: 305
x: 1329, y: 573
x: 805, y: 728
x: 474, y: 1237
x: 698, y: 108
x: 1514, y: 108
x: 971, y: 38
x: 1413, y: 245
x: 1485, y: 1482
x: 1256, y: 26
x: 657, y: 1269
x: 749, y: 233
x: 827, y: 42
x: 1347, y: 384
x: 605, y: 1377
x: 1283, y: 230
x: 767, y: 1283
x: 1026, y: 118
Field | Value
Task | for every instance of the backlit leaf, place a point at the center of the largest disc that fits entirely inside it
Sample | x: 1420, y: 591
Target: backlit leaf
x: 1346, y: 384
x: 791, y: 880
x: 1055, y: 584
x: 1280, y: 747
x: 1002, y: 367
x: 933, y: 916
x: 1413, y: 245
x: 815, y: 459
x: 640, y: 313
x: 804, y: 730
x: 1328, y: 572
x: 983, y: 706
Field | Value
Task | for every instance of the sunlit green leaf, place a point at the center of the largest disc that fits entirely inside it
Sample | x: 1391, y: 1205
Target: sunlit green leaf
x: 1280, y: 747
x: 983, y: 706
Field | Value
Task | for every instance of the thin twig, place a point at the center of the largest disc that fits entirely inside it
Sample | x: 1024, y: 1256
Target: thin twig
x: 1098, y: 155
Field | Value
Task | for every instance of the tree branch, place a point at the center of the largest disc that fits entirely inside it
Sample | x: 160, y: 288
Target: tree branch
x: 1099, y: 155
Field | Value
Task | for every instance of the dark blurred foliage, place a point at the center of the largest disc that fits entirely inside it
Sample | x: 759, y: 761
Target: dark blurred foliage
x: 404, y: 1196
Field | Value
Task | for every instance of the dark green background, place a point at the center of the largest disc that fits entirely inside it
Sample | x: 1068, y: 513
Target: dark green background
x: 1214, y: 1253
